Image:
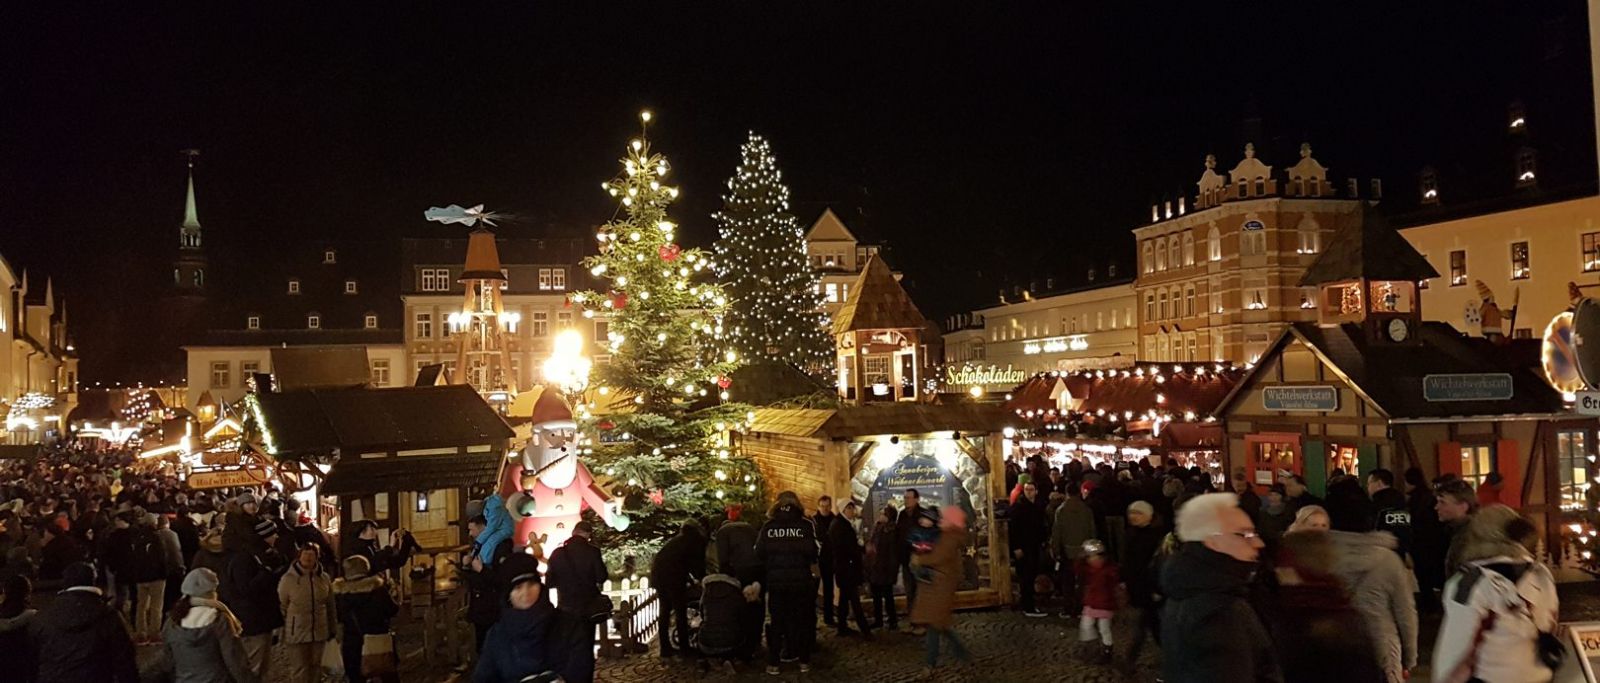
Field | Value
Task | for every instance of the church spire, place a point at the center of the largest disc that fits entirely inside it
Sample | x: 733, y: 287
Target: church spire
x: 189, y: 233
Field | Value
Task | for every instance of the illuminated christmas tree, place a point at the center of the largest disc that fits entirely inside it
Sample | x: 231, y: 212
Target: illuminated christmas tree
x: 657, y: 430
x: 775, y: 299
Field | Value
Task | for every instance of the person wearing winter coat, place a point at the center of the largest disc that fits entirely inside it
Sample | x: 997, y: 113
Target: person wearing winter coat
x: 1311, y: 619
x: 364, y: 607
x: 305, y: 595
x: 905, y: 524
x: 486, y: 590
x: 250, y: 589
x: 78, y: 638
x: 935, y: 606
x: 1497, y: 608
x: 202, y: 637
x: 1380, y: 587
x: 1209, y: 631
x: 172, y: 559
x: 16, y: 656
x: 1028, y: 533
x: 883, y: 567
x: 822, y: 521
x: 787, y: 549
x: 60, y: 550
x: 681, y: 561
x: 210, y: 555
x: 531, y: 637
x: 147, y: 569
x: 736, y: 547
x: 382, y: 559
x: 1074, y: 524
x: 1100, y: 579
x: 848, y: 570
x: 576, y: 573
x: 1142, y: 541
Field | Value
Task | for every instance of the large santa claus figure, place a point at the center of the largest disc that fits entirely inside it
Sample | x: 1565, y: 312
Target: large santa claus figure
x: 546, y: 488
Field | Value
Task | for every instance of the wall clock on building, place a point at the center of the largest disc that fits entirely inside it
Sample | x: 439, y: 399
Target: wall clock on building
x: 1398, y: 330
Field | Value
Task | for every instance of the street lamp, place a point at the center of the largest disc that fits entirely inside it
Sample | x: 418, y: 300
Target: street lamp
x: 566, y: 368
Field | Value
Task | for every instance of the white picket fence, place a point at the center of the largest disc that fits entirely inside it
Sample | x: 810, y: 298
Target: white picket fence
x: 636, y: 619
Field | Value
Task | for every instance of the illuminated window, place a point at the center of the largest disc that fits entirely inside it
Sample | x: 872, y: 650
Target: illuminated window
x: 313, y: 322
x: 1527, y: 166
x: 252, y: 322
x: 1149, y: 258
x: 558, y: 279
x: 294, y: 286
x: 219, y: 375
x: 1161, y: 307
x: 380, y: 372
x: 248, y: 369
x: 1188, y: 248
x: 1174, y: 252
x: 1519, y: 261
x: 545, y: 279
x: 1458, y: 268
x: 1477, y: 462
x: 1161, y: 253
x: 370, y: 321
x: 422, y: 325
x: 539, y: 324
x: 1188, y: 302
x: 349, y: 286
x: 1214, y: 245
x: 830, y: 292
x: 330, y: 257
x: 1149, y: 307
x: 1591, y: 252
x: 1572, y: 458
x: 434, y: 280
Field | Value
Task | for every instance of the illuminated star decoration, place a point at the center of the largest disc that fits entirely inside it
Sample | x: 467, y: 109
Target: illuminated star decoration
x: 456, y: 214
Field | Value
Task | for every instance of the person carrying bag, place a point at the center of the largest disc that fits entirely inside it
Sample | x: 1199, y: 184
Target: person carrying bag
x: 365, y: 609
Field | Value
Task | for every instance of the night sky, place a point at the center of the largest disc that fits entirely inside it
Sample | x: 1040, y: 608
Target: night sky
x: 985, y: 144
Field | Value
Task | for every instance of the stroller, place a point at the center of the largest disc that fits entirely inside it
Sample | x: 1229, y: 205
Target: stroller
x: 719, y: 634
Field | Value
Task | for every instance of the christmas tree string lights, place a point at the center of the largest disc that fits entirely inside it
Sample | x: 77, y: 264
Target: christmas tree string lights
x: 775, y: 297
x: 660, y: 434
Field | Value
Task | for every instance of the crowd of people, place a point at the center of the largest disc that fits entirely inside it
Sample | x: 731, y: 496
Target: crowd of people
x: 122, y: 557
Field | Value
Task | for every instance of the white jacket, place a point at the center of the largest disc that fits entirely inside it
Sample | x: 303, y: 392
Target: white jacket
x: 1491, y: 625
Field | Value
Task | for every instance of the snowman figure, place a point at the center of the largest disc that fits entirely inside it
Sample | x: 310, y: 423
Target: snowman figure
x: 547, y: 487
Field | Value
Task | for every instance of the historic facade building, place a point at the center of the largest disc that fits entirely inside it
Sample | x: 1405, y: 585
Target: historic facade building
x: 39, y: 369
x: 1218, y: 280
x: 838, y: 257
x: 1085, y: 327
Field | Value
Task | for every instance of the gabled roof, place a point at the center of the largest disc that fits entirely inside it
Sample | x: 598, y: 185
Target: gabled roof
x: 1390, y: 377
x: 376, y: 420
x: 1371, y: 250
x: 882, y: 418
x: 877, y: 302
x: 828, y: 227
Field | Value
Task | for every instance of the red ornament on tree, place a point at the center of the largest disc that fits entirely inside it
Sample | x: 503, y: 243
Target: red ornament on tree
x: 619, y: 300
x: 724, y: 382
x: 669, y: 252
x: 657, y: 497
x: 607, y: 426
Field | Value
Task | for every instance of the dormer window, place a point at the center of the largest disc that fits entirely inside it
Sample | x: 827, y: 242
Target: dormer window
x: 1516, y: 118
x: 370, y: 321
x: 313, y: 321
x: 294, y: 285
x: 1527, y: 167
x: 330, y: 256
x: 252, y: 322
x: 349, y: 286
x: 1430, y: 186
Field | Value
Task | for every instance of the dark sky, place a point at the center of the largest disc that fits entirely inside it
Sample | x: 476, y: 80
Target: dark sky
x: 982, y: 142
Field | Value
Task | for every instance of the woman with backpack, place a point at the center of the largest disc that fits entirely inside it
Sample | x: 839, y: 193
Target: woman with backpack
x: 1500, y: 609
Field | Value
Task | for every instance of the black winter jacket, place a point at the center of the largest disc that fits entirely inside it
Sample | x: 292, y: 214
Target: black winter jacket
x: 787, y: 548
x: 363, y: 605
x: 680, y: 561
x: 1209, y: 633
x: 736, y: 551
x: 1028, y: 529
x: 487, y: 590
x: 1139, y: 547
x: 1320, y: 638
x: 78, y: 638
x: 250, y: 590
x: 822, y: 524
x: 883, y: 565
x: 519, y: 645
x: 576, y: 572
x: 849, y: 559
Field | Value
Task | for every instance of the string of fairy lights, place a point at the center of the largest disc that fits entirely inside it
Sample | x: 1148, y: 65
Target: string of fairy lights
x: 1163, y: 412
x: 775, y: 295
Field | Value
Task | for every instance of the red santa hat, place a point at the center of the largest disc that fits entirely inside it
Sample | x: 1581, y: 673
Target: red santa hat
x: 550, y: 408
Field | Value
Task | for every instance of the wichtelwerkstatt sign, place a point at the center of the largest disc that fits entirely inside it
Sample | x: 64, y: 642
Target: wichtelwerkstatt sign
x: 1478, y: 386
x: 968, y: 375
x: 1318, y: 399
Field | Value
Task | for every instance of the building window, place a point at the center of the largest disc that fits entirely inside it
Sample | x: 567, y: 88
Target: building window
x: 1477, y: 461
x: 1188, y: 248
x: 1458, y: 268
x: 1161, y: 253
x: 294, y: 286
x: 329, y: 256
x: 1310, y: 238
x: 1188, y: 302
x: 1149, y: 307
x: 552, y: 279
x: 602, y: 332
x: 380, y: 372
x: 252, y: 322
x: 248, y: 370
x: 1527, y: 166
x: 422, y: 325
x: 1161, y: 307
x: 370, y: 322
x: 313, y: 321
x: 1217, y: 347
x: 563, y: 320
x: 349, y: 286
x: 1215, y: 286
x: 1253, y: 242
x: 1572, y: 459
x: 830, y: 292
x: 1149, y: 259
x: 1174, y: 252
x: 1255, y: 293
x: 1519, y: 261
x: 1591, y: 252
x: 1099, y: 320
x: 1191, y: 341
x: 539, y: 323
x: 1214, y: 245
x: 200, y: 277
x: 219, y: 375
x: 435, y: 280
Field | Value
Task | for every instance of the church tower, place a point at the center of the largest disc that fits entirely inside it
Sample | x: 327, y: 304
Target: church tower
x: 189, y: 269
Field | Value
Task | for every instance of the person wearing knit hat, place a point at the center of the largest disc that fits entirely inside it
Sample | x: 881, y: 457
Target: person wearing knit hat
x: 250, y: 587
x: 200, y: 583
x: 364, y: 607
x: 202, y: 634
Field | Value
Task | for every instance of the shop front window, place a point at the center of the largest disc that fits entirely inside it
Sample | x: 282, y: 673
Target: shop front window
x: 1342, y: 457
x: 1476, y: 463
x: 1572, y: 459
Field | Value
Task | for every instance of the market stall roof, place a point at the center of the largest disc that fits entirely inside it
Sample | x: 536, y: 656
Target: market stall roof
x: 877, y: 302
x: 1369, y: 249
x: 378, y: 420
x: 355, y: 477
x: 882, y: 418
x: 1390, y: 377
x: 1175, y: 388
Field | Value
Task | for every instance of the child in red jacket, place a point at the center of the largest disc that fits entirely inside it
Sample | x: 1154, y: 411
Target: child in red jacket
x: 1098, y: 576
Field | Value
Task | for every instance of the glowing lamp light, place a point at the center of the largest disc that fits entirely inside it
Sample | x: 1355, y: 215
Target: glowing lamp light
x: 566, y: 367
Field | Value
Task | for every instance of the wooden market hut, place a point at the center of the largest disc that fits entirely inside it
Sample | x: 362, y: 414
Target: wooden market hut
x: 878, y: 337
x: 403, y: 457
x: 872, y: 453
x: 1370, y: 384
